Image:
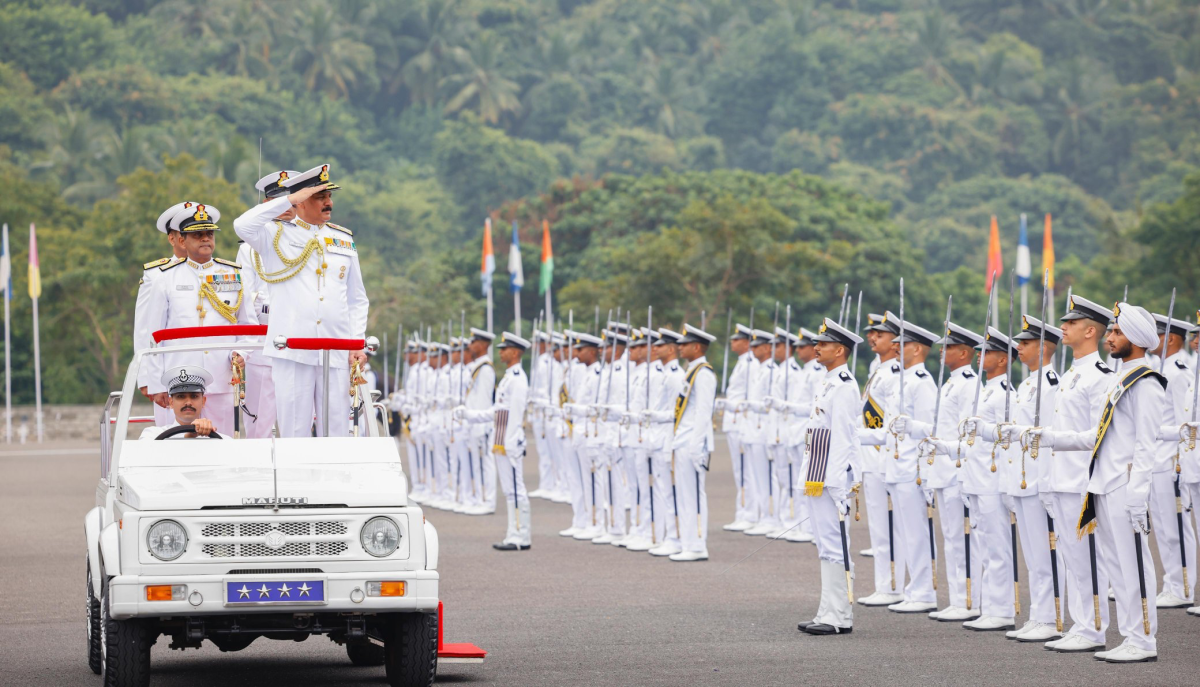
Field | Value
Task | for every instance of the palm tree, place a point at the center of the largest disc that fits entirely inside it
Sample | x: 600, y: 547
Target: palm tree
x: 73, y: 145
x: 933, y: 39
x: 671, y: 96
x: 195, y: 19
x: 1076, y: 116
x: 482, y: 82
x: 120, y: 153
x: 328, y: 55
x: 434, y: 37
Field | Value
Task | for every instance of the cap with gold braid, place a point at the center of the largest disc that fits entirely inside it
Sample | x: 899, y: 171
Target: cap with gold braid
x: 316, y: 176
x: 199, y: 217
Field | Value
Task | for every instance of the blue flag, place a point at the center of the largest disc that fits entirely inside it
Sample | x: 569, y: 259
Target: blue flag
x: 515, y: 271
x: 1023, y: 266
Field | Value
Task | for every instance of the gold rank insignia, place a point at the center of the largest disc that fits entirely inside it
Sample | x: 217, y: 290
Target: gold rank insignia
x: 201, y: 215
x: 283, y: 176
x: 1071, y: 303
x: 156, y: 263
x: 324, y: 175
x: 823, y: 328
x: 1024, y: 323
x: 1116, y: 310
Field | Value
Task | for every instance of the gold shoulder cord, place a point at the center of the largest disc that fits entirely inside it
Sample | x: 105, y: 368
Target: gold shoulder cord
x: 291, y: 267
x: 208, y: 293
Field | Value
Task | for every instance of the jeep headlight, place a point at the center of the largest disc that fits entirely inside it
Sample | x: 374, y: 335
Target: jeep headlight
x: 166, y: 540
x: 380, y: 537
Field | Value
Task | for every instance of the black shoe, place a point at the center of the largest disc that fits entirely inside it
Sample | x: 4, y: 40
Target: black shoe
x: 823, y: 629
x: 511, y: 547
x: 803, y: 627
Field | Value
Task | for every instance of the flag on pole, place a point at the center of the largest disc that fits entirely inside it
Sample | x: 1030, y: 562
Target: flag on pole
x: 995, y: 265
x: 489, y: 258
x: 547, y: 259
x: 515, y: 270
x: 6, y: 268
x: 1048, y: 254
x: 35, y: 275
x: 1024, y: 268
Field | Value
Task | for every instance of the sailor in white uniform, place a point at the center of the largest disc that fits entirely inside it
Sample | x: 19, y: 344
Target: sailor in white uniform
x: 185, y: 385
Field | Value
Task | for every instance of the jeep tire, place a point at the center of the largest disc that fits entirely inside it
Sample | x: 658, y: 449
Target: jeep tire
x: 126, y: 647
x: 365, y: 653
x: 92, y: 605
x: 410, y: 649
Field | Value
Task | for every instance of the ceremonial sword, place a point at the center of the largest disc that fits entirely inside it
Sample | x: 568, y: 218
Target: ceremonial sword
x: 903, y: 371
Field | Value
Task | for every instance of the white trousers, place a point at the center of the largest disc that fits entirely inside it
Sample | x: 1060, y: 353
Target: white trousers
x: 882, y: 530
x: 577, y: 483
x: 786, y: 509
x: 991, y: 555
x: 763, y: 491
x: 163, y: 416
x: 615, y: 492
x: 795, y: 516
x: 480, y: 450
x: 670, y: 497
x: 951, y: 517
x: 1167, y: 536
x: 299, y: 397
x: 835, y: 608
x: 690, y: 478
x: 512, y: 482
x: 259, y: 418
x: 912, y: 540
x: 1035, y: 546
x: 639, y: 460
x: 1076, y: 554
x: 547, y: 474
x: 466, y: 482
x: 416, y: 465
x: 1118, y: 556
x: 219, y: 408
x: 737, y: 456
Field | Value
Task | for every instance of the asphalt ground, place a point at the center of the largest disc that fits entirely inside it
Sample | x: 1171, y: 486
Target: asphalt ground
x: 563, y: 613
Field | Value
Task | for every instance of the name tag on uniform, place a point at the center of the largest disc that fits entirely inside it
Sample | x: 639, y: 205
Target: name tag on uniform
x: 224, y: 282
x: 297, y: 244
x: 340, y: 246
x: 185, y: 287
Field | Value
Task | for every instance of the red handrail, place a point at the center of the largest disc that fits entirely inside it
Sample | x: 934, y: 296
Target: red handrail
x: 204, y: 332
x: 323, y: 344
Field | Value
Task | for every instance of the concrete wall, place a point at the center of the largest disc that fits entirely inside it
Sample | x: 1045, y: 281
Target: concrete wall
x: 62, y: 423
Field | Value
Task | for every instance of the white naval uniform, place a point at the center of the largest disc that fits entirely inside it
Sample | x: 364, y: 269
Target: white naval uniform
x: 331, y: 305
x: 662, y: 411
x: 764, y: 493
x: 540, y: 375
x: 480, y: 394
x: 786, y: 391
x: 582, y: 383
x: 691, y: 447
x: 259, y: 420
x: 880, y: 518
x: 732, y: 424
x: 175, y: 301
x: 143, y: 339
x: 408, y: 430
x: 1120, y: 480
x: 797, y: 520
x: 991, y: 541
x: 1163, y: 484
x: 638, y: 455
x: 901, y: 467
x: 836, y: 408
x: 507, y: 416
x: 1077, y: 406
x: 556, y: 435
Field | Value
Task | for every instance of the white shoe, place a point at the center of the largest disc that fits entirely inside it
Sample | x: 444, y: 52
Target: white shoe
x: 461, y: 508
x: 737, y: 526
x: 881, y: 599
x: 605, y: 538
x: 621, y: 541
x: 416, y: 497
x: 912, y: 607
x: 1012, y: 634
x: 954, y: 614
x: 1194, y: 610
x: 688, y: 556
x: 560, y: 497
x: 777, y: 533
x: 1127, y: 653
x: 867, y: 553
x: 537, y: 494
x: 1037, y: 632
x: 1166, y: 599
x: 1074, y: 644
x: 587, y: 534
x: 989, y: 623
x: 638, y: 544
x: 478, y: 510
x: 799, y: 537
x: 665, y: 550
x: 569, y: 532
x: 760, y: 529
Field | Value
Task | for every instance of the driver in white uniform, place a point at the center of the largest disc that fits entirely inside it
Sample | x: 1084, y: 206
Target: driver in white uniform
x: 186, y: 385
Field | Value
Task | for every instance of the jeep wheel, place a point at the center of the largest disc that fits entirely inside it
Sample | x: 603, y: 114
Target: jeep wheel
x: 410, y: 649
x: 365, y: 653
x: 125, y: 648
x: 93, y: 624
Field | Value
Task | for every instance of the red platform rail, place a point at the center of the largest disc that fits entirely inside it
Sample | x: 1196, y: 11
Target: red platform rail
x: 204, y: 332
x: 455, y: 653
x: 322, y: 344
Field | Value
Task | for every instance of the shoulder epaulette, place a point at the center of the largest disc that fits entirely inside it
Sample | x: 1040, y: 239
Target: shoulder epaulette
x: 1052, y: 378
x: 231, y: 263
x: 921, y: 374
x: 1103, y: 368
x: 1004, y: 384
x: 895, y: 368
x: 844, y: 376
x: 156, y: 263
x: 339, y: 227
x: 969, y: 374
x: 1181, y: 365
x: 175, y: 262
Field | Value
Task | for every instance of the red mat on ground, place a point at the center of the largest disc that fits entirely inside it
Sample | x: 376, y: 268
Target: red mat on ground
x: 456, y: 653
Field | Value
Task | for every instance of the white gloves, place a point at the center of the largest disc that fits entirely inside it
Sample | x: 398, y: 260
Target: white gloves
x: 1139, y: 518
x: 1044, y: 434
x: 1047, y: 502
x: 1009, y: 503
x: 900, y: 425
x: 767, y: 402
x: 928, y: 492
x: 970, y: 426
x: 460, y: 413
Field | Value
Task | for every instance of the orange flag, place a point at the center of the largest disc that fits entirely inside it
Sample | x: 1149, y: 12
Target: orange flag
x: 995, y: 265
x: 1048, y: 254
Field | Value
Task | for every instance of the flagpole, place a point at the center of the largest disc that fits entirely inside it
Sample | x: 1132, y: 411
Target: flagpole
x: 517, y: 308
x: 35, y: 290
x: 7, y: 342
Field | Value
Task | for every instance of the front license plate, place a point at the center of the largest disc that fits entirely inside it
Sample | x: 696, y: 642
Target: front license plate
x: 248, y: 592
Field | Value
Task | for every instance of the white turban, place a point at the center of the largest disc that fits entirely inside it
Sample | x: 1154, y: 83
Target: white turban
x: 1137, y: 324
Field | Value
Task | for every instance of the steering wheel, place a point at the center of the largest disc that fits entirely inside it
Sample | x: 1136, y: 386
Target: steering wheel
x: 183, y: 429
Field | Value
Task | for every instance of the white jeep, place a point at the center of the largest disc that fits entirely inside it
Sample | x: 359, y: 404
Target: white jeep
x: 232, y: 540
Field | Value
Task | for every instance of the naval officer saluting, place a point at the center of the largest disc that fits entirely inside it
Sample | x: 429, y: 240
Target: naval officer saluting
x: 316, y: 291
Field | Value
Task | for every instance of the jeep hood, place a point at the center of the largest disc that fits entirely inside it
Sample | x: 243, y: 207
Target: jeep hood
x: 247, y: 473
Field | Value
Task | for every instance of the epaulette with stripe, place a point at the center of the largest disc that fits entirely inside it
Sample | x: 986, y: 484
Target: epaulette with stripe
x: 155, y: 263
x: 175, y: 262
x: 340, y: 228
x: 231, y: 263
